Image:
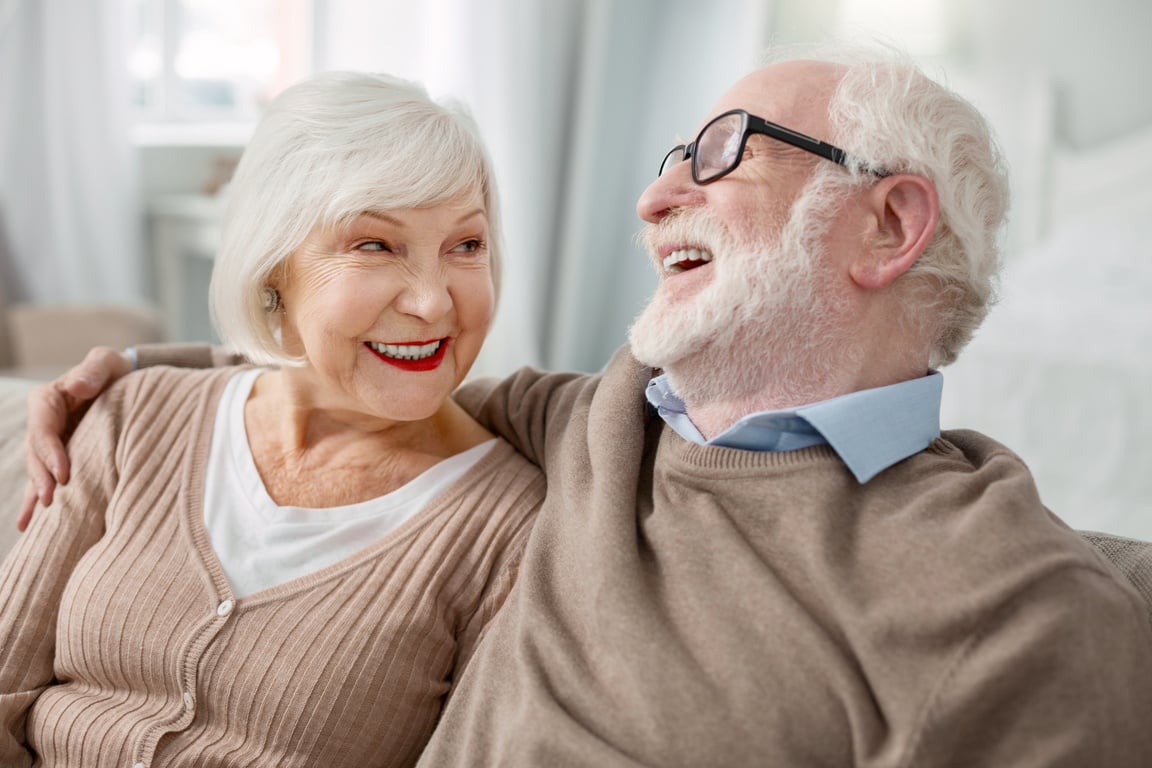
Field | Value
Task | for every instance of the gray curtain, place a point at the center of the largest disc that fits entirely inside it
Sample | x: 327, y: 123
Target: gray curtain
x: 647, y: 72
x: 67, y: 180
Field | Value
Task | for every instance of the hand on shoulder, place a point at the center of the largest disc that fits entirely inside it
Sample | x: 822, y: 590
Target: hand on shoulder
x: 54, y: 409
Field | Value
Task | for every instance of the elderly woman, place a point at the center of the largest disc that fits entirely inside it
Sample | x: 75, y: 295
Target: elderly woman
x: 287, y: 565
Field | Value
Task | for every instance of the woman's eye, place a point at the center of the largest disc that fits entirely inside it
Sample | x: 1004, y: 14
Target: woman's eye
x: 373, y: 245
x: 470, y: 246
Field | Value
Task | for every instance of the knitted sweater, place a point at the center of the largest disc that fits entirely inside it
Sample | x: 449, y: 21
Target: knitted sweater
x: 121, y: 644
x: 686, y: 605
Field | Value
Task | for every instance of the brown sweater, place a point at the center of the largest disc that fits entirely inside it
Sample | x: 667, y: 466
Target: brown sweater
x: 120, y: 641
x: 682, y: 605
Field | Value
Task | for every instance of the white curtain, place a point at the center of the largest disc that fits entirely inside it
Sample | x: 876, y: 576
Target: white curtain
x: 69, y: 219
x: 578, y: 101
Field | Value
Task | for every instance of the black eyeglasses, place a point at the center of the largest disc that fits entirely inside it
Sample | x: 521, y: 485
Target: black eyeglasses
x: 719, y: 148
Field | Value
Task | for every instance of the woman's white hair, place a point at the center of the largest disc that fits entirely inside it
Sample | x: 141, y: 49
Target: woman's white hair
x: 328, y: 149
x: 886, y: 111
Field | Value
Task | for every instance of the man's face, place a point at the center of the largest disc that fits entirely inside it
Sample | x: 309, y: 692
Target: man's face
x: 766, y: 300
x: 740, y: 275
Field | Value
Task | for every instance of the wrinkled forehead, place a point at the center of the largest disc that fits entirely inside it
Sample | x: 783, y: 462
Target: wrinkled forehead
x: 794, y: 94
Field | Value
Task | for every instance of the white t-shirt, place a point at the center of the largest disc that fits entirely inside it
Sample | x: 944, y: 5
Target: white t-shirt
x: 261, y: 544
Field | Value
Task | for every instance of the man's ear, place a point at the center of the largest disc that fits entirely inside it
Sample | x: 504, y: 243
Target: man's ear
x: 902, y: 213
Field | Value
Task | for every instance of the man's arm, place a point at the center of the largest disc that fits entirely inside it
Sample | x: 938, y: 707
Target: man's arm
x: 527, y: 407
x: 1060, y: 676
x: 55, y: 408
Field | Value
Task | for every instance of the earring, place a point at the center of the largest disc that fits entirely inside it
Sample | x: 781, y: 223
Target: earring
x: 271, y: 299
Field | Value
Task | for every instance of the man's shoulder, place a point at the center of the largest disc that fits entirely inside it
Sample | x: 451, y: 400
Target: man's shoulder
x: 977, y: 448
x: 970, y: 500
x: 970, y: 461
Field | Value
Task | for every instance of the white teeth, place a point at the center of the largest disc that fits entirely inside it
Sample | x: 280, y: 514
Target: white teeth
x: 406, y: 351
x: 673, y: 260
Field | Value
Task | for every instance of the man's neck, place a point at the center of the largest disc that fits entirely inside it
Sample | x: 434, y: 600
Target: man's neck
x: 713, y: 417
x: 721, y: 398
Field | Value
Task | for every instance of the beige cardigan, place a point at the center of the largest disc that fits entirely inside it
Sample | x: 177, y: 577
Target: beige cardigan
x: 120, y: 642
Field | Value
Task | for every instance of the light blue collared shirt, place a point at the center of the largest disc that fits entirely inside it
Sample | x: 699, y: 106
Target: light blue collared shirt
x: 870, y: 430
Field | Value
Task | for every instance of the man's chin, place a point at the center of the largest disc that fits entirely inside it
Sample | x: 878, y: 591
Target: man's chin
x: 667, y: 331
x: 659, y: 348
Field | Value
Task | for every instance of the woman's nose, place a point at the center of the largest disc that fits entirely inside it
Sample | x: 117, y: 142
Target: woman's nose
x: 426, y: 296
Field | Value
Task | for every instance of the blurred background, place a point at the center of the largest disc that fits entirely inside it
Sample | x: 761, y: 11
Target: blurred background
x: 121, y: 121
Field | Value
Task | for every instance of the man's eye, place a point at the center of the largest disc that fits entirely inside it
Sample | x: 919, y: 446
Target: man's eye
x: 732, y: 147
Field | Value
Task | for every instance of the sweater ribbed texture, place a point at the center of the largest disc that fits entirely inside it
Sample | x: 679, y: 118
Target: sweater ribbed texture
x: 687, y: 605
x: 120, y: 641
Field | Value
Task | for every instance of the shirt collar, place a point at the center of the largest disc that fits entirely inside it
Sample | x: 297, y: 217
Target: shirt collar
x: 870, y: 430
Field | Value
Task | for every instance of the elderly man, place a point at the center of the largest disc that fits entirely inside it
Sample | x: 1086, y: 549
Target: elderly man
x: 769, y: 554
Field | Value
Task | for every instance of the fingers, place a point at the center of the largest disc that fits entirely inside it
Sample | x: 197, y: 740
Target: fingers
x: 53, y: 411
x: 44, y: 457
x: 45, y: 463
x: 27, y: 506
x: 55, y: 408
x: 100, y: 367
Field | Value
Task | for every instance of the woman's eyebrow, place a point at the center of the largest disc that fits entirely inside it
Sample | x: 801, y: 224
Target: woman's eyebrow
x: 385, y: 216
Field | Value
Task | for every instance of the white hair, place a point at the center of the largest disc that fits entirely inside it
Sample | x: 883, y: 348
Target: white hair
x: 328, y: 149
x: 887, y: 112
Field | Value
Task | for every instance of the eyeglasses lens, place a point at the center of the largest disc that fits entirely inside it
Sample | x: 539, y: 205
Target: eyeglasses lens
x: 718, y: 147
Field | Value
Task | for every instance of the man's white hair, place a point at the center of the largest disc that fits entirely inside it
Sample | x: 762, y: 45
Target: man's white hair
x: 887, y: 112
x: 328, y: 149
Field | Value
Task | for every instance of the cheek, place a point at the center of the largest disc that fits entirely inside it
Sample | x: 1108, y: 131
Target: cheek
x: 475, y: 301
x: 339, y: 303
x: 759, y: 227
x: 475, y: 295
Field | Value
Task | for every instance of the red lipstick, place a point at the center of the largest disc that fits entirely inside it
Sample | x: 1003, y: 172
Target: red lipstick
x: 429, y: 363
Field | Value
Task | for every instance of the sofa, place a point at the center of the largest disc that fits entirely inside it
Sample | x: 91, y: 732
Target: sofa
x: 1133, y: 558
x: 13, y: 393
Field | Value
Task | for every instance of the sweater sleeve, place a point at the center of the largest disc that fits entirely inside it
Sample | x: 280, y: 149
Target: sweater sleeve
x: 35, y: 574
x: 1061, y: 677
x: 186, y: 355
x: 521, y: 407
x: 521, y: 491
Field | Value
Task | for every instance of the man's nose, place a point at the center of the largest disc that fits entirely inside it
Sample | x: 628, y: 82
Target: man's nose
x: 669, y: 191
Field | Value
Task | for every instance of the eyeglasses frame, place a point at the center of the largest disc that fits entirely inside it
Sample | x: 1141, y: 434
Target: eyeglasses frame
x: 758, y: 125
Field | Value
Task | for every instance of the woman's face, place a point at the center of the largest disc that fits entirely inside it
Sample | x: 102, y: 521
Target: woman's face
x: 390, y: 310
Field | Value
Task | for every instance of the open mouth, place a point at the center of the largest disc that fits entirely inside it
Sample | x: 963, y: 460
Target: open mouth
x: 411, y: 356
x: 684, y: 259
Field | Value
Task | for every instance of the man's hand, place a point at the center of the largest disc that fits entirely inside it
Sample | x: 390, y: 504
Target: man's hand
x: 54, y: 410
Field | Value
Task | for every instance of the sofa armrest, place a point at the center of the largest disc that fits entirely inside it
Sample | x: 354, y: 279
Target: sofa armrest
x: 1131, y: 556
x: 13, y: 416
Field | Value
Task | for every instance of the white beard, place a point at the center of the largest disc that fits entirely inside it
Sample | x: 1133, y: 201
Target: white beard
x: 765, y: 323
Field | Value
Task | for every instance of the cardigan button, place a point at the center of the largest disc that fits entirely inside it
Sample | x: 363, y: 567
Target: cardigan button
x: 224, y: 608
x: 188, y: 702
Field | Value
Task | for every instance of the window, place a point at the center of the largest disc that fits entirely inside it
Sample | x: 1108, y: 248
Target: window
x: 215, y: 61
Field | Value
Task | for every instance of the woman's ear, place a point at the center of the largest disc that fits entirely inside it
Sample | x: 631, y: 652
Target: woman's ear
x: 903, y: 210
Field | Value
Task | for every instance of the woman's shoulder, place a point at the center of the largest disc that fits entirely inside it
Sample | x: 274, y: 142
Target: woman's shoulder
x: 506, y: 468
x: 160, y: 390
x: 170, y: 374
x: 166, y: 381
